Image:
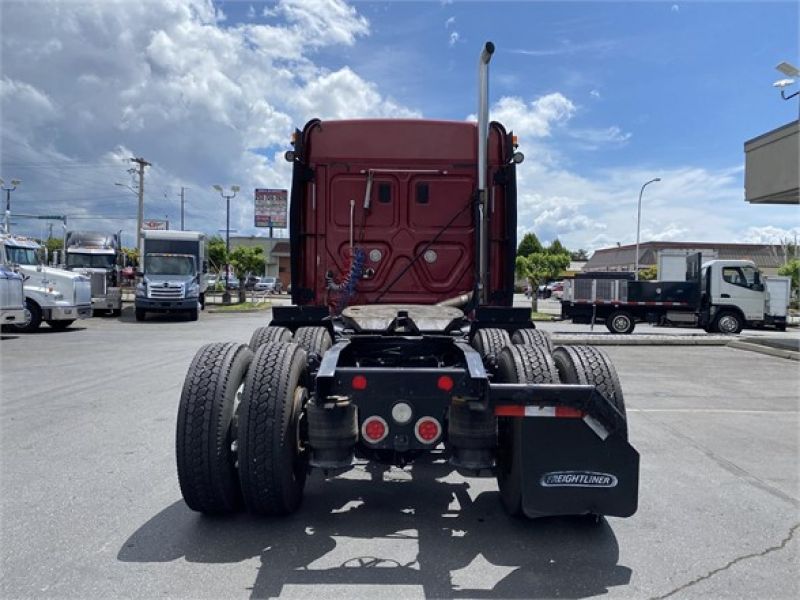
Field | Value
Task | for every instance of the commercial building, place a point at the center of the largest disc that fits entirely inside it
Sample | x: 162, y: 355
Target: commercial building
x: 768, y: 257
x: 276, y: 253
x: 772, y: 166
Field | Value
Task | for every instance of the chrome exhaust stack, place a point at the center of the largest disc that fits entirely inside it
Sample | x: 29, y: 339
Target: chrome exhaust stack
x: 483, y: 167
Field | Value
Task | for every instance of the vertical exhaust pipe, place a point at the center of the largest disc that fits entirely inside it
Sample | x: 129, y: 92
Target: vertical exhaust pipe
x: 483, y: 167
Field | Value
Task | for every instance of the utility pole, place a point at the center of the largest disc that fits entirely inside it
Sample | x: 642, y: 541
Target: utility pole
x: 140, y: 215
x: 183, y: 199
x: 8, y: 190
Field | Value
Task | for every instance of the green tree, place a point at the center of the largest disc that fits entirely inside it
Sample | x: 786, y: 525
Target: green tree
x: 579, y: 255
x: 556, y: 247
x: 792, y: 269
x: 529, y: 244
x: 217, y: 254
x: 649, y: 273
x: 539, y: 267
x: 131, y: 256
x: 247, y: 260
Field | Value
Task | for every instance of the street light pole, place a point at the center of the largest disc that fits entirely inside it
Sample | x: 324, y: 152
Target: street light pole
x: 639, y: 225
x: 8, y: 190
x: 226, y: 295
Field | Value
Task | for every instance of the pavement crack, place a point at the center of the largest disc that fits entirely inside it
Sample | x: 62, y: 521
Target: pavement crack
x: 730, y: 563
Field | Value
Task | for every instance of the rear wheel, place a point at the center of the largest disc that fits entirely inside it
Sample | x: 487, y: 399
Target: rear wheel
x: 517, y: 364
x: 61, y: 325
x: 532, y: 337
x: 269, y: 335
x: 728, y: 323
x: 315, y: 340
x: 204, y: 438
x: 33, y: 316
x: 620, y: 321
x: 586, y: 365
x: 273, y: 459
x: 488, y: 343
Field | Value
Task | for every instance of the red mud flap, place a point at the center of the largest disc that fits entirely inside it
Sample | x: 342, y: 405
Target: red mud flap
x: 569, y: 470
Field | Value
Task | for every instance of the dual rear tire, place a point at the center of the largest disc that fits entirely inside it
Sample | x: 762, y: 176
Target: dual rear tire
x: 239, y: 438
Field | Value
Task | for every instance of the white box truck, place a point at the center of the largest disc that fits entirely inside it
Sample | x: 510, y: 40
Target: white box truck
x: 172, y: 266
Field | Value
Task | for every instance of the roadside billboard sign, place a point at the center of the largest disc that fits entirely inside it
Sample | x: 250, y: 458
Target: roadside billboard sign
x: 157, y: 224
x: 271, y: 207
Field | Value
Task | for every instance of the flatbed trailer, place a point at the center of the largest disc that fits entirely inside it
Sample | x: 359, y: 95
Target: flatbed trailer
x: 721, y: 296
x: 402, y: 339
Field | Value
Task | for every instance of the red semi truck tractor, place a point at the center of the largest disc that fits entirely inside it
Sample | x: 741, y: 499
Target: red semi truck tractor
x: 402, y: 338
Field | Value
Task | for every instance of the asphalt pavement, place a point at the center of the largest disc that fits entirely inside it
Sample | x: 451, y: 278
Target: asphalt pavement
x: 91, y: 506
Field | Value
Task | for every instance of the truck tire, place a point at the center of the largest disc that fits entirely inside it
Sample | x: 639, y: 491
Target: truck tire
x: 271, y: 334
x: 728, y: 322
x: 61, y: 325
x: 140, y: 314
x: 315, y: 340
x: 586, y: 365
x: 34, y: 314
x: 204, y: 437
x: 272, y: 459
x: 193, y: 314
x: 533, y: 337
x: 202, y: 300
x: 488, y: 343
x: 620, y: 321
x: 517, y: 364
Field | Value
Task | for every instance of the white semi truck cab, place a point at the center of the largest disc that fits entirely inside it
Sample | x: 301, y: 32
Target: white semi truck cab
x: 96, y: 255
x: 55, y: 296
x: 12, y: 297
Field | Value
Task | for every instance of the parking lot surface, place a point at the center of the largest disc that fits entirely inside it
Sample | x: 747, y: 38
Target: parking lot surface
x: 91, y: 506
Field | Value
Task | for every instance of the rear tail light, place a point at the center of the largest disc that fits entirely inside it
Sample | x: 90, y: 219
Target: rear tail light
x: 374, y: 429
x: 359, y: 382
x: 445, y: 383
x: 427, y: 430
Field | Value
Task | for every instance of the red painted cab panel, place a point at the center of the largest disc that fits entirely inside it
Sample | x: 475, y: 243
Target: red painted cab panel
x: 415, y: 242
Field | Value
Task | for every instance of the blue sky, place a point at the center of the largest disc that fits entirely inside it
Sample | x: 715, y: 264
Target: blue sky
x: 603, y: 95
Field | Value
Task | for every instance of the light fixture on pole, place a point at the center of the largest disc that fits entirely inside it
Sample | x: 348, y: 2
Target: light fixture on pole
x: 8, y: 190
x: 226, y: 295
x: 639, y: 225
x: 791, y: 73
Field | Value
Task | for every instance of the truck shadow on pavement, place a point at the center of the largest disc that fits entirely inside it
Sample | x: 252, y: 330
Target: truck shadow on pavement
x: 375, y: 531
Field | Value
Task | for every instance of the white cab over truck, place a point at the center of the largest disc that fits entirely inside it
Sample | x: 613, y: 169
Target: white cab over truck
x: 722, y: 296
x: 12, y: 297
x: 96, y: 255
x: 172, y: 268
x: 55, y: 296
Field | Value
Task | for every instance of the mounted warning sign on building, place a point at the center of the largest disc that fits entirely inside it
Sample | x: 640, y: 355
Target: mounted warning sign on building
x: 271, y: 208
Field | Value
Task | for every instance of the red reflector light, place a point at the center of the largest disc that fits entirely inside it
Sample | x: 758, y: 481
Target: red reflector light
x: 374, y: 429
x: 427, y: 430
x: 565, y: 412
x: 445, y: 383
x: 359, y: 382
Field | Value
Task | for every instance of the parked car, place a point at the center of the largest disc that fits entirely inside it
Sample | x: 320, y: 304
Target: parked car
x: 270, y: 285
x: 557, y: 289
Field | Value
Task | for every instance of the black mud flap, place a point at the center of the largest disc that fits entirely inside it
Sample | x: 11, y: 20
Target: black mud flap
x: 568, y: 469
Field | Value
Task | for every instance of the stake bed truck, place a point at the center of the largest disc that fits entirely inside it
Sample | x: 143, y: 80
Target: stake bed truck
x: 721, y: 296
x: 402, y: 338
